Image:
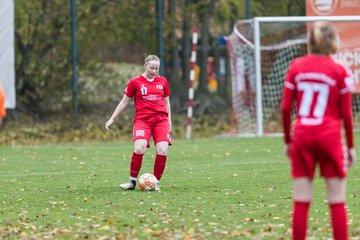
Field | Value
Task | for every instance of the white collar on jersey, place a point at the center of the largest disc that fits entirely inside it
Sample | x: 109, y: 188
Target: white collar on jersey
x: 150, y: 80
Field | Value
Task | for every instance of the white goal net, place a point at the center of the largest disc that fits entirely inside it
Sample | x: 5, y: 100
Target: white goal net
x: 260, y: 51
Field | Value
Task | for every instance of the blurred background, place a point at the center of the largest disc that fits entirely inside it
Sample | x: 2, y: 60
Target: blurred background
x: 57, y: 101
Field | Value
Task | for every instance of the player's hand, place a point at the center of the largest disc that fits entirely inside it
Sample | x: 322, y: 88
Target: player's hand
x: 351, y: 157
x: 287, y: 150
x: 108, y: 123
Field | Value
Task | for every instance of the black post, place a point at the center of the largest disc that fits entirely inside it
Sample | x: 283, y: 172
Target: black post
x: 74, y: 59
x: 248, y: 9
x: 159, y: 11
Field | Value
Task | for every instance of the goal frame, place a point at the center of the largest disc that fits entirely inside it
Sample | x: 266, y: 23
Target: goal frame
x: 257, y: 53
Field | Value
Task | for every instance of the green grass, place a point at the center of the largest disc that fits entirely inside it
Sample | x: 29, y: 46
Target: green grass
x: 211, y: 189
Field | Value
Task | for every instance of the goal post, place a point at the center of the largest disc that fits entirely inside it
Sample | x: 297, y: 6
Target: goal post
x: 260, y: 51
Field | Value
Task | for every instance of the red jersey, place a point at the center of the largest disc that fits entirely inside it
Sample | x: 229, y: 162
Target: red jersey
x: 148, y: 96
x: 320, y: 87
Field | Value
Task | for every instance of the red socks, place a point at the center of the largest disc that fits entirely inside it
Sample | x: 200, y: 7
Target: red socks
x: 159, y: 166
x: 300, y: 218
x: 339, y: 221
x: 135, y: 165
x: 136, y: 162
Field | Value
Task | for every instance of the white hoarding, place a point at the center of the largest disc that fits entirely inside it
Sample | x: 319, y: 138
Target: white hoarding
x: 7, y: 53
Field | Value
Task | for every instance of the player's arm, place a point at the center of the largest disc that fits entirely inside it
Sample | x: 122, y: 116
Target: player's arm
x: 286, y: 106
x: 346, y: 113
x: 120, y: 107
x: 168, y: 109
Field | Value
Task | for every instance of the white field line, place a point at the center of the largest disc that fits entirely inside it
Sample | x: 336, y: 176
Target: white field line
x: 235, y: 162
x: 69, y: 147
x: 255, y: 163
x: 42, y: 173
x: 61, y: 173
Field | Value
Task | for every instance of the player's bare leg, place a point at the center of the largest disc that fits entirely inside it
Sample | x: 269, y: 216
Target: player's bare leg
x: 140, y: 146
x: 302, y: 189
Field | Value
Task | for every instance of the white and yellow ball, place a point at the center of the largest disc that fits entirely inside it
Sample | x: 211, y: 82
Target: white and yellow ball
x: 147, y: 182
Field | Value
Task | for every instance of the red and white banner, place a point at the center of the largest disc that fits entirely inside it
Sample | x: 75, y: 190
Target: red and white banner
x: 195, y: 38
x: 349, y: 52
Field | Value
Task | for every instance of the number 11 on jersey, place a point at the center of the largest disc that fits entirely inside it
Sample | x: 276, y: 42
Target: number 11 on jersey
x: 313, y: 116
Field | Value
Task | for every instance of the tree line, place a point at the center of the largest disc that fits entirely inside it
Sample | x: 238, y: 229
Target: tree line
x: 115, y: 31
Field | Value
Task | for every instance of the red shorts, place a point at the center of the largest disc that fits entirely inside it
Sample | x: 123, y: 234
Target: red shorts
x: 156, y: 126
x: 325, y: 149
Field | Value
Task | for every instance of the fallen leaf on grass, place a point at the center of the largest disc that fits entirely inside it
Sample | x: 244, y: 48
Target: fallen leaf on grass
x: 106, y: 227
x: 267, y: 229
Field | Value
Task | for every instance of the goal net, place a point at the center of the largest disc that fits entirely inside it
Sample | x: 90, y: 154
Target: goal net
x: 260, y: 52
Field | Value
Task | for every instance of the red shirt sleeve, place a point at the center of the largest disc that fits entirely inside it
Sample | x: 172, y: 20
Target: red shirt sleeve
x: 347, y: 118
x: 286, y: 104
x: 166, y: 89
x: 286, y: 113
x: 130, y: 89
x: 346, y: 108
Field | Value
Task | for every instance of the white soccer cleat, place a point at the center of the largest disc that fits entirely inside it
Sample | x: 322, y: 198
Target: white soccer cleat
x: 130, y: 185
x: 157, y: 188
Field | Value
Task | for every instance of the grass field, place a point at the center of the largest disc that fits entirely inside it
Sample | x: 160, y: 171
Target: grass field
x: 212, y: 189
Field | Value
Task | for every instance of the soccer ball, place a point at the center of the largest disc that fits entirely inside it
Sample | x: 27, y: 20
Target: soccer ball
x: 147, y: 182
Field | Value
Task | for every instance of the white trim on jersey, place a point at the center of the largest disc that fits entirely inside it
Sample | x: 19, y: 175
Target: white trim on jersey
x: 315, y: 76
x: 344, y: 90
x: 311, y: 121
x: 289, y: 85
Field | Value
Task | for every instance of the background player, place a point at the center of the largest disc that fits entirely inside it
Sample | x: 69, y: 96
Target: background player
x: 320, y: 87
x: 152, y: 118
x: 2, y: 106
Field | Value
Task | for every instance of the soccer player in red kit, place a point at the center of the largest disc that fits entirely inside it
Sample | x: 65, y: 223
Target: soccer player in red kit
x: 2, y: 106
x: 152, y: 118
x: 321, y: 89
